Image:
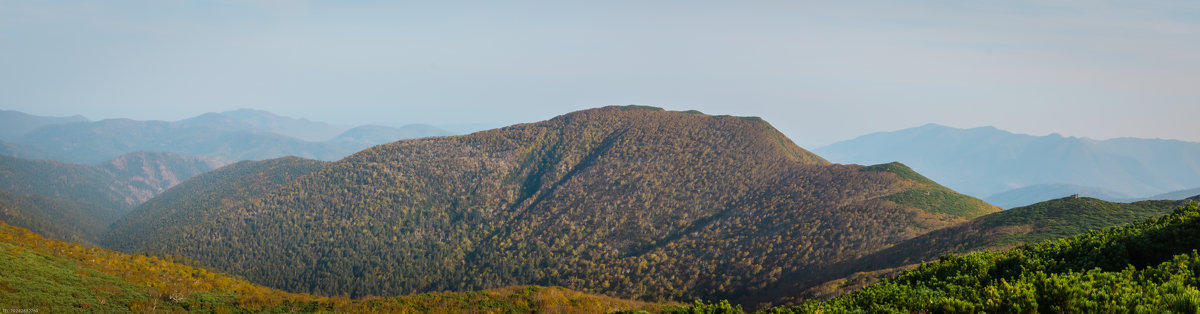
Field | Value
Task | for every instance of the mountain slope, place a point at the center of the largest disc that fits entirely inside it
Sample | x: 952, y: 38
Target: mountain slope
x: 55, y: 218
x: 628, y: 201
x: 77, y: 202
x: 1139, y: 267
x: 985, y: 161
x: 1049, y: 220
x: 199, y: 196
x: 54, y: 276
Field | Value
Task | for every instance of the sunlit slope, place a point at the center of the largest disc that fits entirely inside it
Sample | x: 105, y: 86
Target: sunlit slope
x: 53, y: 276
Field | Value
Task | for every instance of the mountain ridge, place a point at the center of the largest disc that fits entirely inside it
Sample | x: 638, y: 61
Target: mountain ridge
x: 234, y: 135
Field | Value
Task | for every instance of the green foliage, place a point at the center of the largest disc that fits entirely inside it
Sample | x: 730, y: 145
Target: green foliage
x: 1069, y: 216
x: 902, y: 171
x: 701, y: 307
x: 942, y: 200
x: 931, y: 196
x: 55, y: 218
x: 1140, y: 267
x: 655, y: 205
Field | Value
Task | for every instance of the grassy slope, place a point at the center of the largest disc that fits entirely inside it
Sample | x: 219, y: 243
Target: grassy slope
x: 932, y: 196
x: 54, y: 276
x: 1049, y: 220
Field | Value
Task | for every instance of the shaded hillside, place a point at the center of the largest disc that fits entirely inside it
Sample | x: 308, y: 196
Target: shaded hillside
x: 55, y: 218
x: 191, y: 201
x: 628, y: 201
x: 54, y: 276
x: 1049, y: 220
x: 232, y: 135
x: 77, y: 202
x: 77, y: 183
x: 985, y: 161
x: 1141, y: 267
x: 140, y: 176
x: 120, y: 183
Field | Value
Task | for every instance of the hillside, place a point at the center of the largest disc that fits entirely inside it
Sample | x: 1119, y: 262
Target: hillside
x: 232, y: 135
x: 53, y: 276
x: 77, y: 202
x: 626, y: 201
x: 1049, y: 220
x: 985, y: 161
x: 192, y: 199
x: 1139, y: 267
x: 55, y: 218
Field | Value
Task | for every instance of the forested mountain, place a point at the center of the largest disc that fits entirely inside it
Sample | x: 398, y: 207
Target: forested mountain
x: 627, y: 201
x: 985, y: 161
x: 56, y: 218
x: 233, y: 135
x: 54, y: 276
x: 188, y: 202
x: 77, y: 202
x: 1151, y: 266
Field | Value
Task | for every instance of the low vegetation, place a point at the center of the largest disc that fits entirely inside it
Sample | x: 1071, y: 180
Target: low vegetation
x: 1151, y: 266
x: 54, y: 276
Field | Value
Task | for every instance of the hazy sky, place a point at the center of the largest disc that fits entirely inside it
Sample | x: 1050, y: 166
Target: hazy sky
x: 820, y: 71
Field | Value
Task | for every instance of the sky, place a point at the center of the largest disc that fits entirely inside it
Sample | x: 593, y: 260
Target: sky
x: 820, y: 71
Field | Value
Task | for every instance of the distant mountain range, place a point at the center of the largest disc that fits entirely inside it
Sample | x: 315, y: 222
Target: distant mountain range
x: 231, y: 135
x: 14, y: 124
x: 1010, y: 169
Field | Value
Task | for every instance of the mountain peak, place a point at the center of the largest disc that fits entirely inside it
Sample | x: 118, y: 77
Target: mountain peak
x: 648, y: 121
